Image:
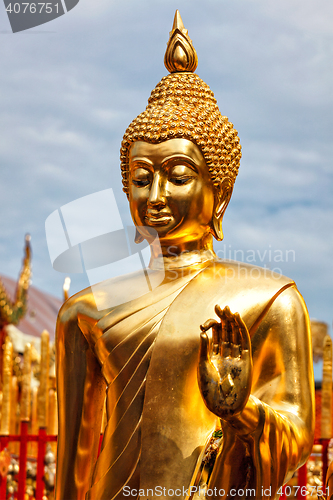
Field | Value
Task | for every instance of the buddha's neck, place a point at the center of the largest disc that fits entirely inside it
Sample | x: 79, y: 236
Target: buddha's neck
x: 186, y: 254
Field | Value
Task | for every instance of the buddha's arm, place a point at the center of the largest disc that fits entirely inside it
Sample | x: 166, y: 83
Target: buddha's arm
x: 81, y: 393
x: 277, y: 424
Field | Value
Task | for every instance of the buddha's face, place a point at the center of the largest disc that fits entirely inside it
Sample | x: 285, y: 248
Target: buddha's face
x: 170, y: 190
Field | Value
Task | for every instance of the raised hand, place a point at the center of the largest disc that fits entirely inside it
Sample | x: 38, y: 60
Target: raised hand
x: 225, y: 364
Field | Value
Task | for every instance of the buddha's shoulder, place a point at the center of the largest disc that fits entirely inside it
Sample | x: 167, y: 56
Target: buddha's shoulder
x: 250, y: 289
x: 246, y: 275
x: 97, y: 300
x: 80, y: 304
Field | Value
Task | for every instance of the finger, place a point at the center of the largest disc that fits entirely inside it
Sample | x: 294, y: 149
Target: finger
x: 204, y: 347
x: 228, y: 324
x: 235, y: 346
x: 208, y: 324
x: 245, y: 340
x: 227, y: 311
x: 224, y: 339
x: 235, y: 337
x: 218, y: 311
x: 224, y: 328
x: 216, y: 335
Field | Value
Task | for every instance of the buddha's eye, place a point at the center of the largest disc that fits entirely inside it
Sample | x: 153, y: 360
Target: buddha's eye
x: 180, y: 175
x: 141, y: 177
x: 180, y: 181
x: 140, y: 182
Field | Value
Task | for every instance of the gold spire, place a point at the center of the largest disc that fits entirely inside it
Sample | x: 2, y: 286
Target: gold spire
x: 180, y: 54
x: 12, y: 311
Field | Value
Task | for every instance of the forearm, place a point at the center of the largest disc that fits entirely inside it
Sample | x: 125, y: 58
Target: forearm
x: 263, y: 445
x: 81, y: 392
x: 282, y: 436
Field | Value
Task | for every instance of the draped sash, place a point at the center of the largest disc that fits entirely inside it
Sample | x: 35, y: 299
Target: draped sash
x: 125, y: 341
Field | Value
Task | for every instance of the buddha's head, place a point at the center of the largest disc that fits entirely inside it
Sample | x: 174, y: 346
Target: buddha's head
x: 180, y: 151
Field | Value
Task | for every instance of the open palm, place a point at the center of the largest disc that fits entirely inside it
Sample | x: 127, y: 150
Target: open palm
x: 225, y: 364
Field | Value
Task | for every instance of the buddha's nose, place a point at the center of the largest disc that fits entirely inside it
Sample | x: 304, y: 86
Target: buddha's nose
x: 157, y: 191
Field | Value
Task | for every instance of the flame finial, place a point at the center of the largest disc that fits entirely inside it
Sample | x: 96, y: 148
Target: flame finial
x: 180, y: 55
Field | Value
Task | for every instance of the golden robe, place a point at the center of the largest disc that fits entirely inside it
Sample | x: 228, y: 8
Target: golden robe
x: 157, y: 423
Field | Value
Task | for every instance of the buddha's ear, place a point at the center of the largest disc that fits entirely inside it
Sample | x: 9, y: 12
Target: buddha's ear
x: 222, y: 198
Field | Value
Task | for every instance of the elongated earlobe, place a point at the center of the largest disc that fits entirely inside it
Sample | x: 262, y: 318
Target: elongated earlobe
x: 222, y: 201
x: 216, y: 228
x: 138, y: 236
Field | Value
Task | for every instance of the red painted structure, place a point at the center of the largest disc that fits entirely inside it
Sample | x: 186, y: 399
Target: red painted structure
x: 41, y: 438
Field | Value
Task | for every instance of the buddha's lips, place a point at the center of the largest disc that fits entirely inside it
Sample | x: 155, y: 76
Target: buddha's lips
x: 158, y: 218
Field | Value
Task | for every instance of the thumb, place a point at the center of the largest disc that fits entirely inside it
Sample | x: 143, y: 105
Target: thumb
x: 204, y: 347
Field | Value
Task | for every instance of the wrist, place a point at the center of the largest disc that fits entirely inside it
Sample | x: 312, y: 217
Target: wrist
x: 249, y: 419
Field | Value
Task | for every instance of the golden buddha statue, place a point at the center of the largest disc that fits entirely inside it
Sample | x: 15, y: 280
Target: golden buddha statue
x: 196, y: 407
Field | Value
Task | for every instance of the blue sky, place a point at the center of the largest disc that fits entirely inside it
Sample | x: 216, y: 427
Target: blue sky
x: 70, y: 87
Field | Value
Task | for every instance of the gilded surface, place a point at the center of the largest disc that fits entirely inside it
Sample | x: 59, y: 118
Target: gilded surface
x: 7, y: 371
x: 12, y: 311
x: 217, y: 346
x: 26, y: 384
x: 326, y: 390
x: 43, y: 392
